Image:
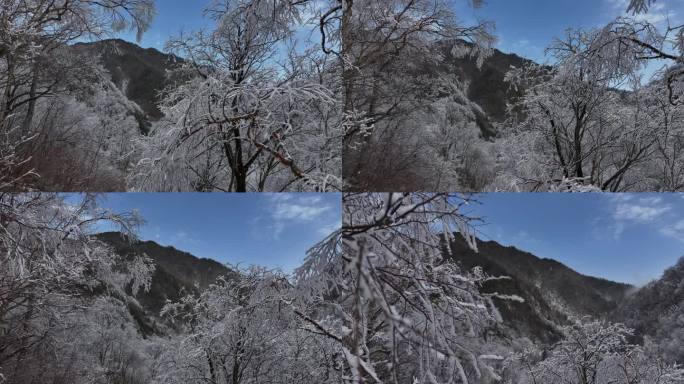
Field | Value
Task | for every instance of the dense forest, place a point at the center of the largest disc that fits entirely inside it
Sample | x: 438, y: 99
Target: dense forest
x: 244, y: 107
x: 423, y: 102
x: 384, y: 299
x: 360, y: 96
x: 437, y: 108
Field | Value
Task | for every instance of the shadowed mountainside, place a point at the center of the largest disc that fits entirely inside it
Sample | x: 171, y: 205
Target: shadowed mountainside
x: 657, y: 311
x: 141, y: 74
x: 485, y: 84
x: 551, y: 290
x: 177, y: 273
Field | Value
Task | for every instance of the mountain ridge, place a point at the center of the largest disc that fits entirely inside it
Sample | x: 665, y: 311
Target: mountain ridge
x: 553, y: 292
x: 176, y: 274
x: 485, y: 85
x: 140, y: 73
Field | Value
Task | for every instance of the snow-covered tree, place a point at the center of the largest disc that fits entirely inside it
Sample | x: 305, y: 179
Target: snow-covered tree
x: 655, y: 312
x: 384, y: 45
x: 667, y: 46
x: 597, y: 352
x: 253, y: 114
x: 584, y: 116
x: 244, y: 329
x: 462, y: 160
x: 83, y: 138
x: 664, y: 169
x: 385, y: 292
x: 52, y: 269
x: 32, y: 34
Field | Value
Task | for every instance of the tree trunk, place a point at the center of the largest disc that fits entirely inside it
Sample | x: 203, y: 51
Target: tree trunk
x: 240, y: 181
x: 212, y: 370
x: 7, y: 92
x: 28, y: 119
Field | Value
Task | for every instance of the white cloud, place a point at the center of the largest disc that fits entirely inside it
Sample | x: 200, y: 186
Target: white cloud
x: 177, y: 239
x: 265, y: 229
x: 525, y: 238
x: 675, y: 230
x: 651, y: 200
x: 522, y: 47
x: 523, y: 235
x: 629, y: 210
x: 277, y: 228
x: 658, y: 13
x: 522, y: 43
x: 284, y: 210
x: 301, y: 208
x: 620, y: 197
x: 310, y: 199
x: 618, y: 228
x: 289, y: 211
x: 639, y: 213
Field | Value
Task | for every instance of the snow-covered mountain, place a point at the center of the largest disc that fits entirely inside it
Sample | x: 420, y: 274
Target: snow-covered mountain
x: 486, y: 88
x: 141, y: 74
x: 656, y: 312
x: 553, y: 296
x: 551, y: 290
x: 177, y: 273
x: 553, y: 293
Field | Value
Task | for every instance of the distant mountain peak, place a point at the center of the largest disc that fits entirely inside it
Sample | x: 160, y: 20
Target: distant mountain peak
x: 141, y: 73
x: 177, y: 272
x: 486, y: 86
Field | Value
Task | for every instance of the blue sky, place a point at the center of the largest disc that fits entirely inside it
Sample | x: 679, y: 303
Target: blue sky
x: 630, y: 238
x: 524, y: 27
x: 174, y: 16
x: 527, y: 27
x: 273, y: 230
